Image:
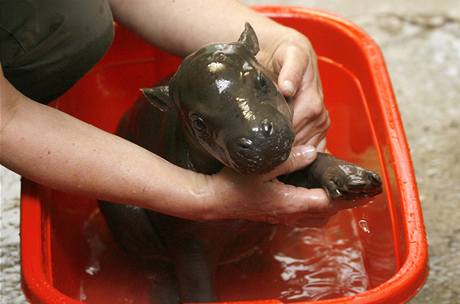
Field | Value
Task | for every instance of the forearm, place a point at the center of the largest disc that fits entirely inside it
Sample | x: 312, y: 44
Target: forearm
x: 57, y: 150
x: 182, y: 26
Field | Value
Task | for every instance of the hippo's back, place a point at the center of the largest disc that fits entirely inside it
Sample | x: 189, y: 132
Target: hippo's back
x: 149, y: 127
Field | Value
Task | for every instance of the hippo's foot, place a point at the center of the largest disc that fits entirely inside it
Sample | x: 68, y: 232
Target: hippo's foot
x: 340, y: 179
x: 344, y: 180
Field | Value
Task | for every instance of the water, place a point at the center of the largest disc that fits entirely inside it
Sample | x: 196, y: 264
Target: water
x: 335, y: 268
x: 95, y: 244
x: 351, y: 254
x: 364, y: 225
x: 296, y: 264
x: 302, y: 264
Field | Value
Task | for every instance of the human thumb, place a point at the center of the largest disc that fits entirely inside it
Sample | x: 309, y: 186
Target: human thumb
x: 300, y: 157
x: 293, y: 67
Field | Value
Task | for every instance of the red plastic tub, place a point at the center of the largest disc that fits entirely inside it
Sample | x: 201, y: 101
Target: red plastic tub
x: 372, y: 254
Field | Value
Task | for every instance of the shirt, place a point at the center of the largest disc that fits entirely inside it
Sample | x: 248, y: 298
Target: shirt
x: 47, y: 45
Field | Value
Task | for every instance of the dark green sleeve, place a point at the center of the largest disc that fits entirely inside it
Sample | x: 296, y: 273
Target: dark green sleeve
x: 47, y: 45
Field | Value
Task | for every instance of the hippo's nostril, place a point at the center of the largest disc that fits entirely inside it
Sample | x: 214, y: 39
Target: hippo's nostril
x: 244, y: 143
x: 267, y: 127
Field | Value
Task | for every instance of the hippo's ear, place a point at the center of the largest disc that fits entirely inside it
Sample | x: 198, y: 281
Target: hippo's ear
x: 159, y: 97
x: 249, y: 39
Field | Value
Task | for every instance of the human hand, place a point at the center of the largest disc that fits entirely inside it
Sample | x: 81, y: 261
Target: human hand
x: 290, y: 55
x: 264, y: 198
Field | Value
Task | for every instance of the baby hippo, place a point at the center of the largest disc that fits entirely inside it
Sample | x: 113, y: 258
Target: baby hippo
x: 220, y: 108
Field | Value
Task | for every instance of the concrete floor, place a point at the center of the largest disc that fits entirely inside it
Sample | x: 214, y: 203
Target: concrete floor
x: 421, y: 44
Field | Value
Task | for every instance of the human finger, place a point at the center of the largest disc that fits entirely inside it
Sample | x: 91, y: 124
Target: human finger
x: 308, y: 106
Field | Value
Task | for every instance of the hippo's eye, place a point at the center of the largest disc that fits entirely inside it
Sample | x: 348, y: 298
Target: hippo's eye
x: 262, y: 82
x: 198, y: 123
x: 219, y: 57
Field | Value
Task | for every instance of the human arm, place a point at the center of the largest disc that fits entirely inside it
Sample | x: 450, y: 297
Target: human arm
x: 59, y: 151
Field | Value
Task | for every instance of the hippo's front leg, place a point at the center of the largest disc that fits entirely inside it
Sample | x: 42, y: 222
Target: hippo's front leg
x: 341, y: 179
x: 189, y: 280
x: 193, y: 262
x: 194, y: 272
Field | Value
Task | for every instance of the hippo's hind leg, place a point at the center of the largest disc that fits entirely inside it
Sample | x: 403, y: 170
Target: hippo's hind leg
x: 132, y: 229
x: 341, y: 179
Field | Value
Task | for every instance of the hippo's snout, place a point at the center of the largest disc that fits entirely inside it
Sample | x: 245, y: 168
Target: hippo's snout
x: 262, y: 149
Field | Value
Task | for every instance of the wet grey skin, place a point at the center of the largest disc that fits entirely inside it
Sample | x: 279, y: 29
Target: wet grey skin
x: 220, y: 108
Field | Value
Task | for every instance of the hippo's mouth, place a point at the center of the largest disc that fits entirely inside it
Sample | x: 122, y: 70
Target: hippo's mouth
x: 262, y: 157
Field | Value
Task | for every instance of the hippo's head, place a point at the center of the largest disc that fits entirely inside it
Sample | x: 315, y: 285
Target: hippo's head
x: 230, y: 105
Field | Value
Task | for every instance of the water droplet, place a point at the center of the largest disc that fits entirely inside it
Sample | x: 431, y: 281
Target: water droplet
x: 93, y: 269
x: 95, y: 243
x: 82, y: 292
x: 364, y: 226
x: 128, y: 301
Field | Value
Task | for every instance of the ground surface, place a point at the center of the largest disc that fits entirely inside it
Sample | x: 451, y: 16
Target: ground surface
x: 421, y: 44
